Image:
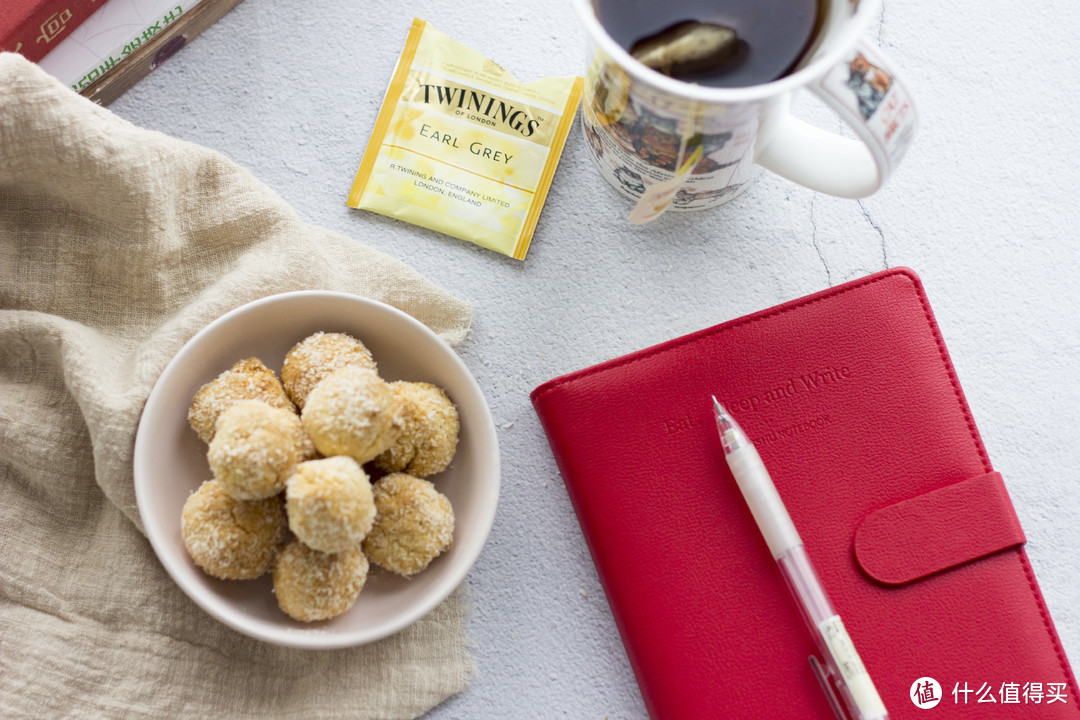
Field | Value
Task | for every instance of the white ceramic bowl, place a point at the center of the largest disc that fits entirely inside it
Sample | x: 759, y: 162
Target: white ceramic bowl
x: 170, y: 462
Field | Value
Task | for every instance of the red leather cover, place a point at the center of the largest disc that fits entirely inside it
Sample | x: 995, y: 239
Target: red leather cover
x: 854, y: 406
x: 939, y: 530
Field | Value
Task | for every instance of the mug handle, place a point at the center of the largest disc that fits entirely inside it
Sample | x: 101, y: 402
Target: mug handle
x: 869, y: 96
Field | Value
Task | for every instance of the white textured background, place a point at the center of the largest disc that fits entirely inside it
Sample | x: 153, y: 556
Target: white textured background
x: 985, y: 209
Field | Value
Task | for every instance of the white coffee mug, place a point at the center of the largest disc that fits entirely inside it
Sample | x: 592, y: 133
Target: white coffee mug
x: 699, y: 147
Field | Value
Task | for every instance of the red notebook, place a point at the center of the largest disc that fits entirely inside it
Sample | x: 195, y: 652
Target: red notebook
x: 853, y: 403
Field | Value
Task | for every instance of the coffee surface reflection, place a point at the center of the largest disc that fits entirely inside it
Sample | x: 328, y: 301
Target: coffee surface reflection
x: 721, y: 43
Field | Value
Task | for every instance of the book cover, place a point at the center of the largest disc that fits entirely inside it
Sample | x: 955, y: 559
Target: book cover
x: 118, y: 29
x: 159, y: 48
x: 33, y: 28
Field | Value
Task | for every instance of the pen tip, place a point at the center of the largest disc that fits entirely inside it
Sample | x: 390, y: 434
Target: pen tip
x: 731, y: 435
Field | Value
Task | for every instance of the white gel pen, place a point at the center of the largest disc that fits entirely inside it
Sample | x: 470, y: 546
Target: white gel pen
x: 842, y: 661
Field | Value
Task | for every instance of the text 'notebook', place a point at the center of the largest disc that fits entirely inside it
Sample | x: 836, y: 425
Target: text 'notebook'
x: 853, y: 403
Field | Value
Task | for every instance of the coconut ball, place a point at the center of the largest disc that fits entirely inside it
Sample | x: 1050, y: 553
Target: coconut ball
x: 229, y: 538
x: 311, y: 585
x: 255, y: 449
x: 352, y: 412
x: 413, y: 525
x: 246, y: 380
x: 308, y: 451
x: 329, y: 504
x: 429, y: 431
x: 314, y: 358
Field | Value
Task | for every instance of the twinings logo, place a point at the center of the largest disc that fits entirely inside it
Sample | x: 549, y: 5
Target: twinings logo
x: 479, y: 106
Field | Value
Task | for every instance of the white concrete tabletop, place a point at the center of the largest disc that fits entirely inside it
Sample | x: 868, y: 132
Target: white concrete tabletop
x: 984, y: 208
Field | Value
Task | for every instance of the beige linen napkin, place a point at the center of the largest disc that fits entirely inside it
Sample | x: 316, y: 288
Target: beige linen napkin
x: 116, y: 245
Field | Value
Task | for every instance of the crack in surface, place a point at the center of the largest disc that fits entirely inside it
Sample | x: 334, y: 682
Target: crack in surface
x: 881, y: 26
x: 814, y: 240
x: 880, y: 232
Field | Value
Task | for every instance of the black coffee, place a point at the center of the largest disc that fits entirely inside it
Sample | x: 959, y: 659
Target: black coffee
x: 773, y: 35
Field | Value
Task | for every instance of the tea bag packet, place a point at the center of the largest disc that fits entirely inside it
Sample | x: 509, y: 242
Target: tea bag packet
x: 463, y: 148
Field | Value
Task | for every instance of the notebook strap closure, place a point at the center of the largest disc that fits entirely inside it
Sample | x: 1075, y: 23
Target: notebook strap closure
x: 936, y: 531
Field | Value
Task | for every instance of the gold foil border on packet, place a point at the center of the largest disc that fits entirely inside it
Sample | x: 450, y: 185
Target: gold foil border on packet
x: 549, y: 169
x: 386, y: 112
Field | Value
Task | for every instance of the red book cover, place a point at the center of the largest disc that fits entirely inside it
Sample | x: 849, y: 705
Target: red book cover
x: 852, y: 401
x: 34, y: 27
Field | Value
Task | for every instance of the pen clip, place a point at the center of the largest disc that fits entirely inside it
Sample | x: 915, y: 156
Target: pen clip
x: 822, y: 676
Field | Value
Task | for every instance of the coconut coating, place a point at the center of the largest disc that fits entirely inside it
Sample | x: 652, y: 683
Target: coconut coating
x: 352, y: 413
x: 246, y: 380
x: 255, y: 449
x: 229, y: 538
x: 329, y: 504
x: 308, y: 451
x: 314, y: 358
x: 414, y: 524
x: 429, y: 431
x: 311, y: 585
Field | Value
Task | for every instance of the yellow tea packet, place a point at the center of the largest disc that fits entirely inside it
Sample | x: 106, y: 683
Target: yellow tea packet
x: 463, y: 148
